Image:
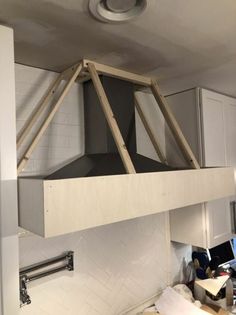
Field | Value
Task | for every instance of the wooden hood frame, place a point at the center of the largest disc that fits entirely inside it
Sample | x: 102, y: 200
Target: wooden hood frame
x: 54, y: 207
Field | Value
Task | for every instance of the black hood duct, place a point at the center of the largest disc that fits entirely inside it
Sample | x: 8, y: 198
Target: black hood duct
x: 101, y: 155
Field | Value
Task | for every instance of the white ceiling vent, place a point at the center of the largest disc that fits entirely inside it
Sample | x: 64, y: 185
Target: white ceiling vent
x: 116, y: 11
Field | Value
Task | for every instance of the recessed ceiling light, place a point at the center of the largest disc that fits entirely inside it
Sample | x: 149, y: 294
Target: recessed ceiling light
x: 116, y: 11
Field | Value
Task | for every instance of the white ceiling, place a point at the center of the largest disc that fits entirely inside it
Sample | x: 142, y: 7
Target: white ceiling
x: 183, y: 42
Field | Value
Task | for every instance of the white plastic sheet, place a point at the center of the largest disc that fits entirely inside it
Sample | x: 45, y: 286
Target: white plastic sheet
x: 172, y: 303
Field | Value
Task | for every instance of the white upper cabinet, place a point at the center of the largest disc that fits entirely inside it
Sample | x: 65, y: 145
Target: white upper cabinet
x: 208, y: 121
x: 230, y: 130
x: 213, y: 129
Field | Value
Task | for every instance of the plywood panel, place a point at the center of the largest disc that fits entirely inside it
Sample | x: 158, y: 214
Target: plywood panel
x: 80, y: 203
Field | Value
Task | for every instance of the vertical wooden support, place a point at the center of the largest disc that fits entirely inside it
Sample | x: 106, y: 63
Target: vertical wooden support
x: 174, y: 126
x: 124, y: 154
x: 148, y: 128
x: 48, y: 119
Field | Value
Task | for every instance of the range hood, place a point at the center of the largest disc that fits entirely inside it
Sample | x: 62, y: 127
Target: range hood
x: 101, y: 153
x: 94, y: 189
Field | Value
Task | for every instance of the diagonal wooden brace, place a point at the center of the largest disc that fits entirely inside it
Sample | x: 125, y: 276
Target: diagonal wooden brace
x: 174, y: 126
x: 48, y: 119
x: 150, y: 132
x: 106, y: 107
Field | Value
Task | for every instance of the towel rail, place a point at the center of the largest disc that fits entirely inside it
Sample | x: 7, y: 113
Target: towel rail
x: 26, y: 276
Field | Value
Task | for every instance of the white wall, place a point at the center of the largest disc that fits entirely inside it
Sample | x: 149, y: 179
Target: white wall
x: 9, y: 278
x: 116, y: 266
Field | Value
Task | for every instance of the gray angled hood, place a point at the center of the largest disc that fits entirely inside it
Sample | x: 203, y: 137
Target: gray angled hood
x: 101, y: 156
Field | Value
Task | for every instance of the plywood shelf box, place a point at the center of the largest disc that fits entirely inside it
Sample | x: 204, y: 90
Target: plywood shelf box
x: 51, y: 207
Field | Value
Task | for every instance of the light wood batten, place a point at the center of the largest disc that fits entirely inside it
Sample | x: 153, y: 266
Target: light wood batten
x: 118, y: 73
x: 111, y: 120
x: 174, y: 126
x: 154, y: 140
x: 48, y: 119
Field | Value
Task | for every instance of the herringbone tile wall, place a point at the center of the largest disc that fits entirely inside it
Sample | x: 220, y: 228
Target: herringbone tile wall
x: 116, y: 266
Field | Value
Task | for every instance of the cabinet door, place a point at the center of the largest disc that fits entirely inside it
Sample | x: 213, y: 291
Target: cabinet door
x: 230, y: 124
x: 218, y: 220
x: 215, y: 129
x: 209, y: 224
x: 188, y: 225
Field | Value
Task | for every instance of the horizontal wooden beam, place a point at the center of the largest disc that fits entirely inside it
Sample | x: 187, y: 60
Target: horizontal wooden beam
x: 118, y: 73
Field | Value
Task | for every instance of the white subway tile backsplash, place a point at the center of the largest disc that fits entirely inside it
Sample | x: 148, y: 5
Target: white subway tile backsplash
x: 70, y: 106
x: 62, y: 140
x: 29, y: 74
x: 54, y: 141
x: 66, y: 118
x: 64, y: 130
